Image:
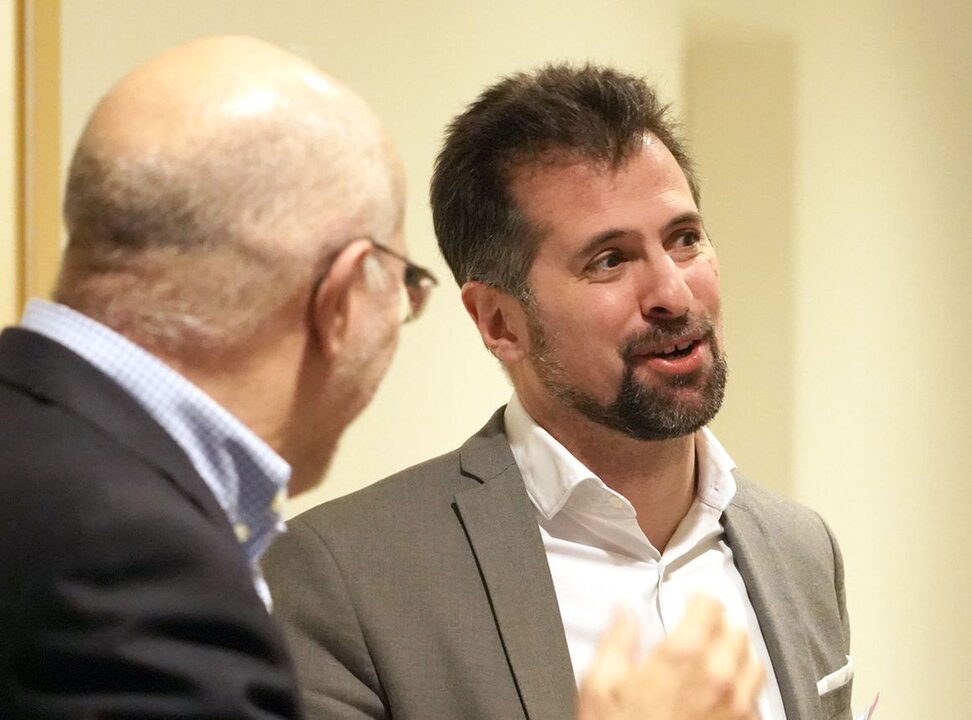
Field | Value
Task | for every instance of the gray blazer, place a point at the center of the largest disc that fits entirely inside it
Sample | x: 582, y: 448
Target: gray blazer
x: 428, y: 595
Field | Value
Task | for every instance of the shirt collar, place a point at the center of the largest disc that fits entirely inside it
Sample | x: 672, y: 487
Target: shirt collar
x: 550, y: 472
x: 246, y: 476
x: 554, y: 477
x: 716, y: 485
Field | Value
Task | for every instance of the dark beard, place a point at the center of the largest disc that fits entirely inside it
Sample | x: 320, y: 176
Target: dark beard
x: 639, y: 411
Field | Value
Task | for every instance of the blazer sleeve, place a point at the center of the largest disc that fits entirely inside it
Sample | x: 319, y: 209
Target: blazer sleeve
x: 836, y: 703
x: 311, y: 600
x: 131, y: 603
x: 839, y: 584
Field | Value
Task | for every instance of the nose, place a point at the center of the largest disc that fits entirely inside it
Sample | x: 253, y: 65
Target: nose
x: 664, y: 290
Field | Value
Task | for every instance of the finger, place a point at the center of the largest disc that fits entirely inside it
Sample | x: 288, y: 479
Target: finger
x: 615, y: 656
x: 751, y: 679
x: 734, y: 677
x: 730, y: 652
x: 702, y: 622
x: 622, y: 631
x: 618, y: 645
x: 617, y: 649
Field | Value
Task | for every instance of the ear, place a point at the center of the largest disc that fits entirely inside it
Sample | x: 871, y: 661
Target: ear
x: 335, y: 302
x: 500, y: 319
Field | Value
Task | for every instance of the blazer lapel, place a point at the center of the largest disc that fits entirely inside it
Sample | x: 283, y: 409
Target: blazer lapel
x: 763, y: 571
x: 499, y: 521
x: 56, y: 375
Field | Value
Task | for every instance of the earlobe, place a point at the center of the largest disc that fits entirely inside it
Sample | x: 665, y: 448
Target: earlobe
x: 499, y: 318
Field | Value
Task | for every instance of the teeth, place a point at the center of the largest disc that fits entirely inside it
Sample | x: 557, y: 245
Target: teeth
x: 680, y: 347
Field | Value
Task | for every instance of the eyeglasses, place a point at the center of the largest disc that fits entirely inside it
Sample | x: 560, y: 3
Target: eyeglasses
x: 415, y: 288
x: 417, y: 284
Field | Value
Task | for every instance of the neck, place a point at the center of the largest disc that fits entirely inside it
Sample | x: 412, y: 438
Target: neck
x: 657, y: 477
x: 308, y: 466
x: 248, y: 390
x: 275, y: 394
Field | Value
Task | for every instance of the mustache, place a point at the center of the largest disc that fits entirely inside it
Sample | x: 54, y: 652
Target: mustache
x: 667, y: 331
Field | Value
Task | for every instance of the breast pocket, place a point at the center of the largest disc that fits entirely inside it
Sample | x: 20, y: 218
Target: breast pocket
x: 836, y: 704
x: 835, y: 692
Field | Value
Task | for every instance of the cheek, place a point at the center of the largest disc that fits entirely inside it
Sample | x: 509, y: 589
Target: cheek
x: 704, y: 283
x: 587, y: 323
x: 389, y: 344
x: 588, y: 332
x: 592, y: 314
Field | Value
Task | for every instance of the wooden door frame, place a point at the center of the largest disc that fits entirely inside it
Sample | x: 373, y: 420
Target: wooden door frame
x: 37, y: 225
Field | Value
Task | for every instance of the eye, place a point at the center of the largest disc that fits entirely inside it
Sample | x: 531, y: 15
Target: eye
x: 607, y: 260
x: 686, y: 239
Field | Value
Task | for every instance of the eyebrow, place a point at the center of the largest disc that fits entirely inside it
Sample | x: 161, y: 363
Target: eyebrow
x: 692, y: 216
x: 602, y: 238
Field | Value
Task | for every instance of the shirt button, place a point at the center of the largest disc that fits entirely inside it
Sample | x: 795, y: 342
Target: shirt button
x: 617, y: 502
x: 242, y: 531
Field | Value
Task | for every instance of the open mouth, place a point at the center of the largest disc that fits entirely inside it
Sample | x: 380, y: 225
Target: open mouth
x: 676, y: 351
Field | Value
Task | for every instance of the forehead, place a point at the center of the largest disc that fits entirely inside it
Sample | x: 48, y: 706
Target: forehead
x: 563, y: 191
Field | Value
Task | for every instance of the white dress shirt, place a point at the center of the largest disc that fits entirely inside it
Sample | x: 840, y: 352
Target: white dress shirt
x: 601, y: 560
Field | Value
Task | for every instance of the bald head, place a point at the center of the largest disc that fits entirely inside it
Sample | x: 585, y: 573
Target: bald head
x: 209, y: 185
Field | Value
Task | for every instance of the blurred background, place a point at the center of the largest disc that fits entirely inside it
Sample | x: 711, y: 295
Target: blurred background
x: 834, y: 140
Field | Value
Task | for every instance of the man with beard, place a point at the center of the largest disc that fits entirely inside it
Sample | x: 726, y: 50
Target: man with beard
x: 477, y: 584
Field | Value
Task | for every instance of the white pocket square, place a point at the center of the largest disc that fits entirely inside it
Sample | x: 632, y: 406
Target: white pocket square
x: 836, y: 679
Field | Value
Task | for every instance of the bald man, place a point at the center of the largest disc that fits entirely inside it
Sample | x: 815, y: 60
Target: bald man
x: 229, y: 299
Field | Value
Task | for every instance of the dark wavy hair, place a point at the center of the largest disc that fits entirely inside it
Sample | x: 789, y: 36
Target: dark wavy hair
x: 591, y: 113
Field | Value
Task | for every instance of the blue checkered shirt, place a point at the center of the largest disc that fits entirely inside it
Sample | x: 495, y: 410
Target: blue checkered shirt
x: 247, y: 477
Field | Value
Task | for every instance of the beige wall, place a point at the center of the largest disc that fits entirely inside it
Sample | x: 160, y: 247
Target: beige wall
x: 884, y: 302
x: 853, y: 285
x: 835, y: 146
x: 8, y: 148
x: 740, y: 90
